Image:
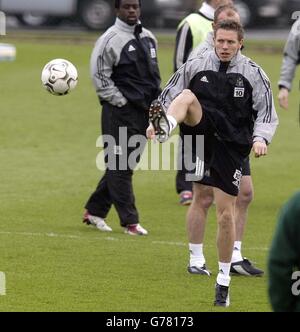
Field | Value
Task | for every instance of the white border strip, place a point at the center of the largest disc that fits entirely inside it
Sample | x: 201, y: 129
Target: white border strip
x: 2, y: 284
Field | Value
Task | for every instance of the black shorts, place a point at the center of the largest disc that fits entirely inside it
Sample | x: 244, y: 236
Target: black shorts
x: 223, y: 169
x: 224, y: 166
x: 246, y: 167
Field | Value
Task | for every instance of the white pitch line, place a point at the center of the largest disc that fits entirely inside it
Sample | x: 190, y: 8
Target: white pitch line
x: 77, y: 237
x: 168, y: 243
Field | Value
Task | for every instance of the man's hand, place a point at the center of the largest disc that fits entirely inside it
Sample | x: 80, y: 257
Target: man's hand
x: 260, y: 149
x: 150, y: 133
x: 283, y: 98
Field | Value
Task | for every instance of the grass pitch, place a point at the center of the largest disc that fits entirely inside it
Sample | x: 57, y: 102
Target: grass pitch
x: 52, y: 261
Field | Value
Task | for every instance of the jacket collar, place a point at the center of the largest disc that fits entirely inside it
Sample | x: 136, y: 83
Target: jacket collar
x: 124, y: 26
x: 210, y: 38
x: 232, y: 63
x: 207, y: 11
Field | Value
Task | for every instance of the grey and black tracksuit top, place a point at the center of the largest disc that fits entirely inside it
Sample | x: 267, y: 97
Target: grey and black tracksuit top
x: 124, y: 66
x: 236, y: 99
x: 291, y: 57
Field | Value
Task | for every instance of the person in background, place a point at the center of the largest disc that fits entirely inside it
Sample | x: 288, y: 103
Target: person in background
x: 191, y: 32
x: 126, y: 77
x: 291, y: 58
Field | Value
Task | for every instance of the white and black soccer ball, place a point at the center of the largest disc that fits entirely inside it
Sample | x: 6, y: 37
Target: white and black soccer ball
x: 59, y: 77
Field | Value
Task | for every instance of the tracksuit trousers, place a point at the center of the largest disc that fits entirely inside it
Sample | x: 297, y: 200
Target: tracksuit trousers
x: 115, y: 187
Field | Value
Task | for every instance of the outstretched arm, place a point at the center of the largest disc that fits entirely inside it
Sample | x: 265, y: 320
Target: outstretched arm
x: 289, y: 63
x: 283, y: 98
x: 260, y: 149
x: 101, y: 65
x: 266, y: 119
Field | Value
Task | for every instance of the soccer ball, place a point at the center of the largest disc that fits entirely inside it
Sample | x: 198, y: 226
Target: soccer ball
x: 59, y: 77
